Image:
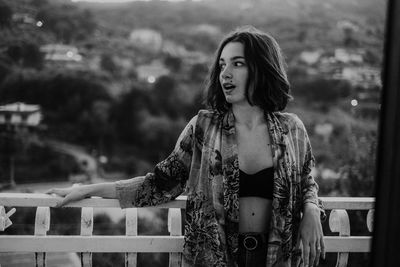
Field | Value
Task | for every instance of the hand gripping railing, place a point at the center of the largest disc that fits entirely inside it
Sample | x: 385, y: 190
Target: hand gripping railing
x: 132, y: 243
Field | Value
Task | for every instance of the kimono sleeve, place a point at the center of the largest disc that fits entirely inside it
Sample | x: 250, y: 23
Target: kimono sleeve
x: 309, y: 187
x: 168, y: 179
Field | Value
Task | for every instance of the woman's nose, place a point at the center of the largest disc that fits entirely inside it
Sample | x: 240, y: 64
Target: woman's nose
x: 226, y: 73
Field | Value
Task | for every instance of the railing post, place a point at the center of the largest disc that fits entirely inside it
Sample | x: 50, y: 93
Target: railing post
x: 339, y: 222
x: 370, y: 220
x: 131, y: 225
x: 175, y: 229
x: 42, y: 225
x: 5, y: 221
x: 86, y: 230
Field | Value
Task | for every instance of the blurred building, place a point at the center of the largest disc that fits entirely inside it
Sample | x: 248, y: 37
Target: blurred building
x: 347, y: 56
x: 151, y: 72
x: 146, y: 39
x: 347, y: 25
x: 208, y: 29
x: 190, y: 57
x: 20, y: 114
x: 63, y: 56
x: 367, y: 77
x: 23, y: 18
x: 311, y: 57
x: 61, y: 52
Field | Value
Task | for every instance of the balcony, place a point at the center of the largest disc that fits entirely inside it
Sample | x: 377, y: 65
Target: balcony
x: 132, y: 243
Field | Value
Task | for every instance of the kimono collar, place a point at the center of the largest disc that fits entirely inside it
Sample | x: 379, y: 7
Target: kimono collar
x: 275, y: 129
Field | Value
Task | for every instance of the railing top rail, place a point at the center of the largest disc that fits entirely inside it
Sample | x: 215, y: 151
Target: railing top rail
x: 44, y: 200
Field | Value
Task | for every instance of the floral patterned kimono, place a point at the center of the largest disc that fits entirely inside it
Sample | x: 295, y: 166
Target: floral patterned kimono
x: 204, y: 165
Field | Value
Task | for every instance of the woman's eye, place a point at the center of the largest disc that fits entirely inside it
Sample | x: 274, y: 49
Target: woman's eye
x: 239, y: 64
x: 222, y: 66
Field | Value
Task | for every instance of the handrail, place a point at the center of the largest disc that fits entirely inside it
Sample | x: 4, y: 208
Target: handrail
x: 44, y: 200
x: 131, y: 243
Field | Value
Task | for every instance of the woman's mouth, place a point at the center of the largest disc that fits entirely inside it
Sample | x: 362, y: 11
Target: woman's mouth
x: 228, y: 87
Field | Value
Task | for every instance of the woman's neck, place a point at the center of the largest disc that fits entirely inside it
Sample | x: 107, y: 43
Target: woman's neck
x: 248, y: 116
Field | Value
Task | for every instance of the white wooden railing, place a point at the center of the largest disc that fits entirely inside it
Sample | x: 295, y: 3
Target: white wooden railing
x: 132, y: 243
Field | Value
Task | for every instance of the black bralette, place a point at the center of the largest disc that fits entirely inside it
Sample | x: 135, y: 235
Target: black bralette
x: 259, y: 184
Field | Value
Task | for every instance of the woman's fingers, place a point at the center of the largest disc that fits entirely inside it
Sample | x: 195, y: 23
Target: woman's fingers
x: 58, y: 191
x: 312, y: 251
x: 317, y: 252
x: 64, y: 202
x: 312, y: 255
x: 67, y: 199
x: 70, y: 194
x: 306, y: 253
x: 322, y: 242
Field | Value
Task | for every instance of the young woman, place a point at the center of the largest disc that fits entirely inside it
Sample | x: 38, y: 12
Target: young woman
x: 244, y: 164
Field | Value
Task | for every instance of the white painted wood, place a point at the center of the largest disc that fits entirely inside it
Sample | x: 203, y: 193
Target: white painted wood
x: 36, y: 200
x: 42, y: 225
x: 121, y: 244
x: 5, y: 221
x: 339, y: 222
x: 118, y: 244
x: 86, y: 230
x: 370, y: 220
x: 131, y: 229
x: 3, y: 218
x: 175, y: 229
x: 348, y: 203
x: 131, y: 243
x: 44, y: 200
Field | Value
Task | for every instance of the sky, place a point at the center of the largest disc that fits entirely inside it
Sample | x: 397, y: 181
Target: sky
x: 119, y: 1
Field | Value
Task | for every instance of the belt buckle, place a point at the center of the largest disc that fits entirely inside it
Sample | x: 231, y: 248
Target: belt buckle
x: 250, y: 239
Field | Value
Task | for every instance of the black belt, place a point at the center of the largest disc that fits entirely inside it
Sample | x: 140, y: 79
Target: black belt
x: 251, y: 241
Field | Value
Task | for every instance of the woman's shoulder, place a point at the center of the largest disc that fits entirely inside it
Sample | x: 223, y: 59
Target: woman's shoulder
x: 291, y: 120
x: 208, y: 113
x: 208, y: 116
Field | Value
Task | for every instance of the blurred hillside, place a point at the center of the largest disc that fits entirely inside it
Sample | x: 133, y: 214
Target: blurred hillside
x: 121, y: 80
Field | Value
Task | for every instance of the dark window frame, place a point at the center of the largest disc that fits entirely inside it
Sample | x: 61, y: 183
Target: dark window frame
x: 387, y: 215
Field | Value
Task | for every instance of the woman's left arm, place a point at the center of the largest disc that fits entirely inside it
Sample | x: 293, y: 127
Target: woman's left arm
x: 310, y: 231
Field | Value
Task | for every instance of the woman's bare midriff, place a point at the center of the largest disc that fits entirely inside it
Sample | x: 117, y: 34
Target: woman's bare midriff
x: 255, y: 154
x: 254, y: 214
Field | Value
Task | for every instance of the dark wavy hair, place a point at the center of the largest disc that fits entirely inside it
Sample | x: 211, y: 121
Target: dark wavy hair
x: 267, y: 85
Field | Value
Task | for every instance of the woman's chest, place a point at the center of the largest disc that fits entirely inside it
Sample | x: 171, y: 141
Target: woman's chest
x: 254, y: 150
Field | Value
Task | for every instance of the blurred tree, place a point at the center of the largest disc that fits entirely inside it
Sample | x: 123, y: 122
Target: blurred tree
x: 348, y: 37
x: 371, y: 57
x: 321, y: 90
x: 107, y: 63
x: 67, y: 22
x: 198, y: 72
x: 5, y: 69
x: 64, y: 98
x: 302, y: 35
x: 95, y: 126
x: 39, y: 3
x: 165, y: 96
x: 5, y: 14
x: 173, y: 63
x: 358, y: 174
x: 126, y: 114
x: 26, y: 54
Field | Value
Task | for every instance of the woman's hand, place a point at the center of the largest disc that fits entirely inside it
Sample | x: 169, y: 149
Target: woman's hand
x: 311, y: 235
x: 70, y: 194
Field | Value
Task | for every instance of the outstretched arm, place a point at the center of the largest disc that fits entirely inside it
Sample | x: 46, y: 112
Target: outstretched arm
x: 164, y: 184
x: 76, y: 193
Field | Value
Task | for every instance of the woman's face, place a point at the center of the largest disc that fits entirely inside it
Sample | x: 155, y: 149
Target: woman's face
x: 233, y: 74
